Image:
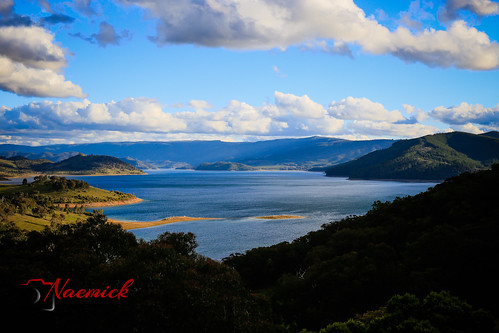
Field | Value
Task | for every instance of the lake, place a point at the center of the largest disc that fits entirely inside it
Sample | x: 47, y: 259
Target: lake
x: 235, y: 198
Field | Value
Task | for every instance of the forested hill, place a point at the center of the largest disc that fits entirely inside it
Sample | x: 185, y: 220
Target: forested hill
x: 432, y: 157
x: 442, y: 239
x: 79, y: 164
x: 18, y: 165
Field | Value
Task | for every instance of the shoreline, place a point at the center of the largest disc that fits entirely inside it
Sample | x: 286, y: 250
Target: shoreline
x: 103, y: 203
x: 129, y: 225
x: 11, y: 178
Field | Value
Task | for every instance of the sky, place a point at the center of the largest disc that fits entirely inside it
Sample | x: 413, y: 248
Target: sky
x: 246, y: 70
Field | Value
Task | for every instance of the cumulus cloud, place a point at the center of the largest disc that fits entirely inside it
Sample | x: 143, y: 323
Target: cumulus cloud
x: 450, y: 11
x: 288, y: 116
x: 465, y: 113
x: 469, y: 127
x: 417, y: 115
x: 32, y: 46
x: 30, y: 63
x: 26, y: 81
x: 299, y: 106
x: 362, y: 108
x: 387, y: 129
x: 267, y: 24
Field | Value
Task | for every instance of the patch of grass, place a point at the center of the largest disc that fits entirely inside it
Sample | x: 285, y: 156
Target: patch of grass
x: 33, y: 223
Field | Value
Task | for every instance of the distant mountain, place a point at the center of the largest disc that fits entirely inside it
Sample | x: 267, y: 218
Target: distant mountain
x: 46, y: 155
x: 225, y: 166
x: 432, y: 157
x: 301, y: 154
x: 79, y: 164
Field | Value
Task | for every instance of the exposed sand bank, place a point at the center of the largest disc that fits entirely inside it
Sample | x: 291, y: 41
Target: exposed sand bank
x: 127, y: 225
x: 279, y: 217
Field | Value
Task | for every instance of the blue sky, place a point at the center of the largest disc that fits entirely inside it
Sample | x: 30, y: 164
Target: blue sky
x: 129, y: 70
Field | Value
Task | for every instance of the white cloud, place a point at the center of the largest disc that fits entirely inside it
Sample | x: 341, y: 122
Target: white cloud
x: 32, y: 46
x: 199, y: 104
x: 27, y: 81
x: 267, y: 24
x: 362, y: 108
x: 469, y: 127
x: 450, y: 11
x: 391, y: 130
x: 292, y: 115
x: 288, y: 116
x: 302, y: 106
x: 465, y: 113
x: 30, y: 63
x: 418, y: 115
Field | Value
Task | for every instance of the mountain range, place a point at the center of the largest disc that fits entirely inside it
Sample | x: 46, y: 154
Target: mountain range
x: 431, y: 157
x: 293, y: 154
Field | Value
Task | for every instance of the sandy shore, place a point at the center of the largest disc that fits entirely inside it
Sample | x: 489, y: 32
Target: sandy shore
x: 279, y: 217
x: 127, y: 225
x: 103, y: 204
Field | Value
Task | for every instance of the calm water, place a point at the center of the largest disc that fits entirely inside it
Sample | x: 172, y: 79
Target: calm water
x: 234, y: 198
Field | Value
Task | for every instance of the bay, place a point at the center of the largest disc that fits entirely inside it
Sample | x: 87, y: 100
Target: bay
x: 236, y: 198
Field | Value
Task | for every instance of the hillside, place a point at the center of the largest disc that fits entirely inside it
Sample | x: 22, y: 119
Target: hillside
x: 432, y: 157
x: 76, y: 165
x: 18, y: 165
x: 91, y: 164
x: 300, y: 154
x: 442, y: 239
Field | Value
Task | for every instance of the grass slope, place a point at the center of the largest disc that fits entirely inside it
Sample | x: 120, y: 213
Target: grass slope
x: 432, y: 157
x: 55, y: 198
